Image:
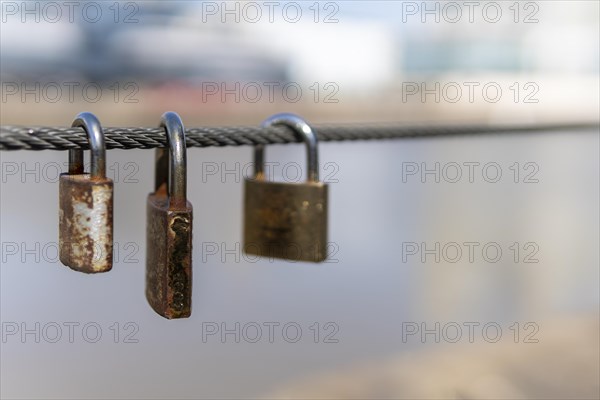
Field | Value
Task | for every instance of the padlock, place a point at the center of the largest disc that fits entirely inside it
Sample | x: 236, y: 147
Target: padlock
x: 86, y: 206
x: 286, y: 220
x: 169, y: 228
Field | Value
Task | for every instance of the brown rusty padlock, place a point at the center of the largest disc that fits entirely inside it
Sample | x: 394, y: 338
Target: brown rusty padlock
x: 86, y: 206
x: 286, y: 220
x: 169, y: 228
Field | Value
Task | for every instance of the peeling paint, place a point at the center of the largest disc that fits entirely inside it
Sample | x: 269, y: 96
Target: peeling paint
x: 86, y: 223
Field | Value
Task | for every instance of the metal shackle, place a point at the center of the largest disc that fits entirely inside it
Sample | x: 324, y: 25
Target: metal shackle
x: 171, y: 163
x: 303, y: 131
x: 93, y: 129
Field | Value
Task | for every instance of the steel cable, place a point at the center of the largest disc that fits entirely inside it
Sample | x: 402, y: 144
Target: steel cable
x: 56, y: 138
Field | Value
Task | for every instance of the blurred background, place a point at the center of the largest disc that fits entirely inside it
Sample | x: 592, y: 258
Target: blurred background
x: 463, y: 267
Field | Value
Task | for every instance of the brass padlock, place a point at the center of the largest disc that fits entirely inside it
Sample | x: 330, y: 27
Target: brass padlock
x: 86, y: 206
x: 169, y: 228
x: 286, y: 220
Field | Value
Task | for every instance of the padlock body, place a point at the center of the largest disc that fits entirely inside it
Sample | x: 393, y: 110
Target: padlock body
x: 169, y: 257
x: 86, y: 223
x: 286, y: 220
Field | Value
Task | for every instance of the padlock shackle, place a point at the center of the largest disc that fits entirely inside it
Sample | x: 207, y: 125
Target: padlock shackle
x: 173, y: 160
x: 93, y: 129
x: 303, y: 131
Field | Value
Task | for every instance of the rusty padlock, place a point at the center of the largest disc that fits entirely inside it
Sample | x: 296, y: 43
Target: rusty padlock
x: 286, y: 220
x: 86, y: 206
x: 169, y: 228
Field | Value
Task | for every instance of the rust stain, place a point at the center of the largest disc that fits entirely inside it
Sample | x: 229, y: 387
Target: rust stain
x: 86, y: 223
x: 169, y: 257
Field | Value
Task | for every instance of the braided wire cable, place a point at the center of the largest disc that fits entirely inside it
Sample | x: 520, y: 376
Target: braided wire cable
x: 57, y: 138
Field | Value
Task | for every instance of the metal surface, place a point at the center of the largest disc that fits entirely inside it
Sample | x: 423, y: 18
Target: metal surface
x: 86, y: 206
x: 177, y: 184
x: 303, y: 131
x: 86, y: 223
x: 56, y: 138
x: 169, y: 229
x: 92, y: 127
x: 285, y: 220
x: 168, y: 258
